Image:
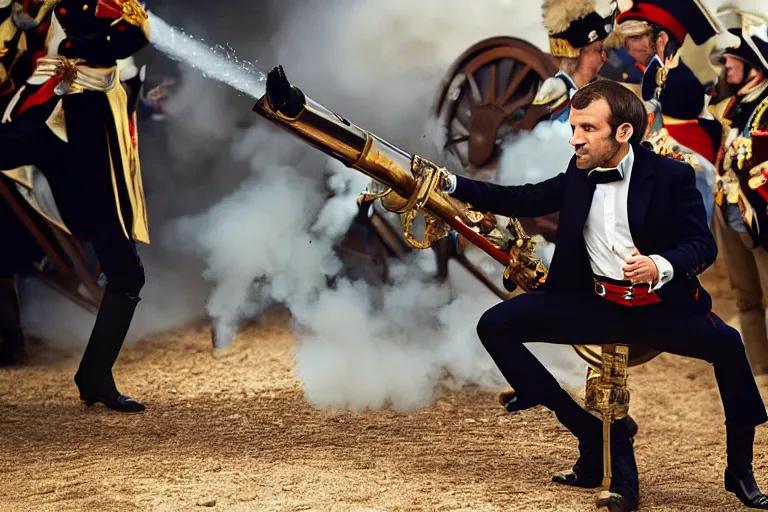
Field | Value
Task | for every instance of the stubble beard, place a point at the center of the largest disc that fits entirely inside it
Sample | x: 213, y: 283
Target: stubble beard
x: 589, y: 161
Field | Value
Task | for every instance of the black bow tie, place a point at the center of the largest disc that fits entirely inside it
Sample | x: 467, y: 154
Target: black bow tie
x: 600, y: 175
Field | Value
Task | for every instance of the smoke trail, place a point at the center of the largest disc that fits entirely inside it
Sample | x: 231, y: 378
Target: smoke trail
x: 218, y: 63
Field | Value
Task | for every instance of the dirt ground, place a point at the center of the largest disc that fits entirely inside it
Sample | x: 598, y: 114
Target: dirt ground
x: 235, y: 434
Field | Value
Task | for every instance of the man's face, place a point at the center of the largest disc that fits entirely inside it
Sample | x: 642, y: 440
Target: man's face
x: 641, y: 47
x: 734, y: 70
x: 591, y: 59
x: 593, y: 139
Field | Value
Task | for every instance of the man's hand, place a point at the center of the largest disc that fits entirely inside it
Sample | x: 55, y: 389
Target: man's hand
x: 640, y: 269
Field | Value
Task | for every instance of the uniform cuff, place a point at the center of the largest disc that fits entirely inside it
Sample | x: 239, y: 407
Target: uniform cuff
x: 666, y: 272
x: 451, y: 183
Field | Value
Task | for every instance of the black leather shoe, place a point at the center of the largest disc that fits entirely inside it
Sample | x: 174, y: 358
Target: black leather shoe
x: 614, y: 502
x: 107, y: 394
x: 576, y: 478
x: 588, y: 470
x: 746, y: 489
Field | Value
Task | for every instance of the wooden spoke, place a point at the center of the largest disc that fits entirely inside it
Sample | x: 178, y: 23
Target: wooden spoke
x: 476, y: 96
x: 525, y: 100
x: 517, y: 79
x: 490, y: 94
x: 489, y: 75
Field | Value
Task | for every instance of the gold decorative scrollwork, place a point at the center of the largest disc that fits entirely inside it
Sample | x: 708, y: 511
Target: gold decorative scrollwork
x: 428, y: 178
x: 434, y: 230
x: 375, y: 190
x: 524, y: 268
x: 759, y: 114
x: 607, y: 394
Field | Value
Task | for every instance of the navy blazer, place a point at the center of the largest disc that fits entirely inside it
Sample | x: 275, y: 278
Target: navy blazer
x: 666, y: 217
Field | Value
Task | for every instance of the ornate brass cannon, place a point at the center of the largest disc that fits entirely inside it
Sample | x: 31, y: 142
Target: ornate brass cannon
x: 410, y: 185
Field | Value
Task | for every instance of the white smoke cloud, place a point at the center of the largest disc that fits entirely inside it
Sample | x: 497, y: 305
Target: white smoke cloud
x: 537, y: 155
x: 272, y: 241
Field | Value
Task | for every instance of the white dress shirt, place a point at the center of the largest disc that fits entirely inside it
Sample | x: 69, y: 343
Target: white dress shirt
x: 606, y: 232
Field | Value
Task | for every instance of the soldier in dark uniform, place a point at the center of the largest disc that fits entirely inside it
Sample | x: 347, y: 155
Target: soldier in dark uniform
x: 70, y: 121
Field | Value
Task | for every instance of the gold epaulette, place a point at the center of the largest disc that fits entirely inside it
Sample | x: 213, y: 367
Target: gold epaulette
x: 664, y: 145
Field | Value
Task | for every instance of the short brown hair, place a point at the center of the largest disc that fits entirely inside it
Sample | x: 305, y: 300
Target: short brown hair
x: 625, y: 106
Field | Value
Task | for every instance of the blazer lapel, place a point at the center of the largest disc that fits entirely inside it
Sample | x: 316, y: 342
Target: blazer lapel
x: 640, y: 189
x: 579, y: 200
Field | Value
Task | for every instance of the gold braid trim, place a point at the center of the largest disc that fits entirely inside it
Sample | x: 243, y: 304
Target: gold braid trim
x: 562, y: 48
x: 758, y: 115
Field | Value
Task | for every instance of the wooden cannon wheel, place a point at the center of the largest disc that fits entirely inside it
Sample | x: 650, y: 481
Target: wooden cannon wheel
x: 487, y: 94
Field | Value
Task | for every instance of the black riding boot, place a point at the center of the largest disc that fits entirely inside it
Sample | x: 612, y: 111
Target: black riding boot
x: 739, y: 478
x: 94, y: 377
x: 12, y: 349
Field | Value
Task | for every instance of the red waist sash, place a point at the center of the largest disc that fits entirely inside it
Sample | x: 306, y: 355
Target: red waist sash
x: 625, y: 293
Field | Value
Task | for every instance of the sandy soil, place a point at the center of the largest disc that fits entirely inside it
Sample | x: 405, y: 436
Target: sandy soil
x: 235, y: 434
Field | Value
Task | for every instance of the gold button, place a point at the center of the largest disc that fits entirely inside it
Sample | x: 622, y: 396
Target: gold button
x: 85, y: 7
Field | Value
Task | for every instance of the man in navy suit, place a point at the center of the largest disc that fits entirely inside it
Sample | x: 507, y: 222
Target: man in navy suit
x: 632, y: 239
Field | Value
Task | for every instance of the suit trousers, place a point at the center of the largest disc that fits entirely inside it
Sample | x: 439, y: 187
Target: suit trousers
x: 572, y: 317
x: 748, y: 273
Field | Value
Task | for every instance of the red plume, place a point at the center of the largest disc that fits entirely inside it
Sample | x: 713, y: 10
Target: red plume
x: 111, y: 9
